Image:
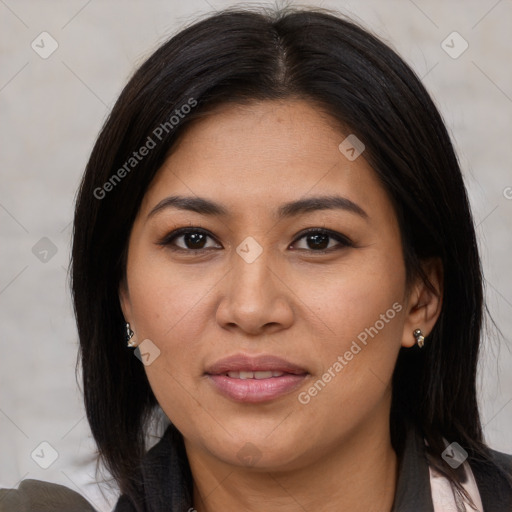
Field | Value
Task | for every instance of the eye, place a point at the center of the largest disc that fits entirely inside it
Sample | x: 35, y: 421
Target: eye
x: 193, y: 239
x: 318, y: 240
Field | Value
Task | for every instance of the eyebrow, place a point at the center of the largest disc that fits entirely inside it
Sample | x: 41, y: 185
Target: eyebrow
x: 310, y: 204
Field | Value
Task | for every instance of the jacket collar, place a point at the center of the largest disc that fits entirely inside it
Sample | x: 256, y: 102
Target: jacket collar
x: 413, y: 485
x: 166, y: 475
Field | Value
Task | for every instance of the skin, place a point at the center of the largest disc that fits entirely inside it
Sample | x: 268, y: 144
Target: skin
x: 290, y: 302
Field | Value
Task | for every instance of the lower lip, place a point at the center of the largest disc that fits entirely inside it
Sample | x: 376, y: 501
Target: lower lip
x: 256, y: 390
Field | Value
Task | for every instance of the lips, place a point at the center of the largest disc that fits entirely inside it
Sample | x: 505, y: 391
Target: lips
x: 263, y: 363
x: 244, y: 378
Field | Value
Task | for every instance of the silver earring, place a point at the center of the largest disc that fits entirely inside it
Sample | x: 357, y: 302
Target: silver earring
x: 420, y: 339
x: 129, y: 336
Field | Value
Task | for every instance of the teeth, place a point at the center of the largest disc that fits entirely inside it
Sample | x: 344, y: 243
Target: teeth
x: 262, y: 375
x: 255, y: 375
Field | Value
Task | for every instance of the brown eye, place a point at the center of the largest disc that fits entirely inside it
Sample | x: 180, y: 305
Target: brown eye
x: 191, y: 239
x: 319, y: 240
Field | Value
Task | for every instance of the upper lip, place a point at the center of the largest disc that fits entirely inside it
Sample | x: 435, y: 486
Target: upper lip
x: 246, y: 363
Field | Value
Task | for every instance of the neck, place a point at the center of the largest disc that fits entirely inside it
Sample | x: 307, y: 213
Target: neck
x: 358, y: 475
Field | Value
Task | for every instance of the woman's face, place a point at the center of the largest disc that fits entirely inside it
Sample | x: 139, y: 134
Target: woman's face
x: 313, y: 322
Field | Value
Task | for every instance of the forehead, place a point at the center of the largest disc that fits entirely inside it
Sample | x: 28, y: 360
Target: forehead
x: 272, y: 131
x: 262, y: 153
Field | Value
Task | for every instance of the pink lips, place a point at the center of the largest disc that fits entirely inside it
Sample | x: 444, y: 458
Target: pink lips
x: 263, y: 377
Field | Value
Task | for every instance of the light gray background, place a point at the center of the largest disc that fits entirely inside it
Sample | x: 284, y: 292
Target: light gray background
x: 52, y: 110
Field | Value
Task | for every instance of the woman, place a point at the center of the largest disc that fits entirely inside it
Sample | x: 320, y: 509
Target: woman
x: 273, y: 245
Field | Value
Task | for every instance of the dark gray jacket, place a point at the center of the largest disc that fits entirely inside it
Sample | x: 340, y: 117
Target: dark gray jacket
x: 167, y: 484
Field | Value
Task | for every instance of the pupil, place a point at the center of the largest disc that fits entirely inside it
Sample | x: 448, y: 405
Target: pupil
x: 321, y: 241
x: 194, y: 240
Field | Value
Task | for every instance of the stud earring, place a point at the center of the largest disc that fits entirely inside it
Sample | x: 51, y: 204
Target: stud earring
x: 420, y: 339
x: 129, y: 335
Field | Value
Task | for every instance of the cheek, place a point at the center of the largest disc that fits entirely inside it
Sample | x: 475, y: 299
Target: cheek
x: 362, y: 316
x: 166, y: 298
x: 353, y: 298
x: 169, y: 312
x: 169, y: 307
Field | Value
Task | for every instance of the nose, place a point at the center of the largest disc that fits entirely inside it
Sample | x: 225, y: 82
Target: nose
x: 255, y: 297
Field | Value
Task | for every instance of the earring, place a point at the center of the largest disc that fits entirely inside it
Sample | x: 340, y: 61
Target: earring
x: 129, y: 336
x: 420, y: 339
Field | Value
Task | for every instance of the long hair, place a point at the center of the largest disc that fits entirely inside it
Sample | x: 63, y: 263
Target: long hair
x: 246, y: 55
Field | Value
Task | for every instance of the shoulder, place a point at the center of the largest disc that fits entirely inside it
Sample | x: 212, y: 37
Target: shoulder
x: 503, y: 460
x: 494, y: 480
x: 502, y: 465
x: 36, y: 495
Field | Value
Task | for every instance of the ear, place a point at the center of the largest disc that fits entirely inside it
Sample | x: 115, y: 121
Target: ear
x: 124, y: 300
x: 424, y: 302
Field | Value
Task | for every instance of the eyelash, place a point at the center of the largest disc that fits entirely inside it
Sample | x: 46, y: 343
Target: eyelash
x: 167, y: 240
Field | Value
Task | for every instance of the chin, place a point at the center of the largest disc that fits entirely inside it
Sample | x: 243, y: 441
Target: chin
x: 251, y: 446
